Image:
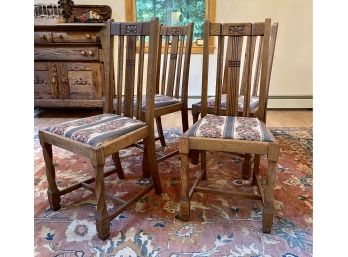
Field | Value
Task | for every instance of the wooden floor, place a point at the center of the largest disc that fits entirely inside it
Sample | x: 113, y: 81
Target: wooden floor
x: 275, y: 118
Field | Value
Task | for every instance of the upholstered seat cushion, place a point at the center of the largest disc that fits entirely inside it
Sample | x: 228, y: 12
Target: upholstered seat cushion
x: 241, y: 128
x: 160, y: 101
x: 97, y: 129
x: 254, y: 102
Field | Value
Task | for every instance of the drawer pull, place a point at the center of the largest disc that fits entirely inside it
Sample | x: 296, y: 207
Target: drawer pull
x: 59, y: 35
x: 83, y: 52
x: 90, y: 53
x: 37, y: 80
x: 53, y: 80
x: 88, y: 36
x: 80, y: 81
x: 43, y: 36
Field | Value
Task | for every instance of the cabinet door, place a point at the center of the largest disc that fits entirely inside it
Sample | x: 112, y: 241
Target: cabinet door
x: 42, y: 86
x: 85, y: 80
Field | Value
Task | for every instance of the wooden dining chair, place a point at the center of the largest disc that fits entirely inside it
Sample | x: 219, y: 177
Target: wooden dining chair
x: 230, y: 133
x: 100, y: 136
x: 175, y: 43
x: 256, y: 53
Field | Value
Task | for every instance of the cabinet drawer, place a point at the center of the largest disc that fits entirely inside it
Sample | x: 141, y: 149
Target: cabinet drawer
x: 42, y: 87
x: 66, y: 53
x: 42, y: 37
x: 74, y: 37
x: 82, y: 84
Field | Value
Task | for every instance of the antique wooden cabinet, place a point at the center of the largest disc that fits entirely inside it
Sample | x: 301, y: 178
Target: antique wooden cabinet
x: 68, y: 56
x: 68, y: 69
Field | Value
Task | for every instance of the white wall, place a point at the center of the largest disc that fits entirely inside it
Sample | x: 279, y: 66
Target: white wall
x: 292, y: 66
x: 292, y: 80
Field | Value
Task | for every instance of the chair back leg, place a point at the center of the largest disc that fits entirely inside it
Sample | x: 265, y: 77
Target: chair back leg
x: 160, y: 131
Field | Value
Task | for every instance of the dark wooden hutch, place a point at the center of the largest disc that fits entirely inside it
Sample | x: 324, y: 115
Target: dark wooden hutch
x: 68, y: 59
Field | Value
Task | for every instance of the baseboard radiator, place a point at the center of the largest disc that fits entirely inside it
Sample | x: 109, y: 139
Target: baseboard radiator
x: 276, y: 102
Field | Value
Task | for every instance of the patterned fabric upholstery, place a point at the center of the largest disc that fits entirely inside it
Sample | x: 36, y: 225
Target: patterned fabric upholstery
x: 97, y: 129
x: 160, y: 101
x: 254, y: 102
x: 241, y: 128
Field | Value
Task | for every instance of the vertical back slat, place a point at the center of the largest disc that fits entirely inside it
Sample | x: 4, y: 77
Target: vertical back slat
x: 264, y: 71
x: 246, y: 79
x: 140, y: 76
x: 165, y: 61
x: 172, y: 65
x: 246, y: 64
x: 228, y: 55
x: 205, y: 68
x: 220, y: 61
x: 178, y: 70
x: 186, y: 69
x: 130, y: 76
x: 120, y: 74
x: 233, y: 72
x: 159, y: 56
x: 258, y: 68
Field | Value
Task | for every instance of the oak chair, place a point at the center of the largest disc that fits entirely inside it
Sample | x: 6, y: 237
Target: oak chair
x: 100, y: 136
x: 256, y: 53
x: 175, y: 43
x: 214, y: 132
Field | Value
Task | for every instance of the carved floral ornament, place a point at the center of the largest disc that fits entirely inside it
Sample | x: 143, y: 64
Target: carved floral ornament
x: 131, y: 29
x: 175, y: 31
x: 236, y: 29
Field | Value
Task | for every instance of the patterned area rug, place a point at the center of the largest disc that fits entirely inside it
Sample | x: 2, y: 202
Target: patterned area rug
x: 218, y: 226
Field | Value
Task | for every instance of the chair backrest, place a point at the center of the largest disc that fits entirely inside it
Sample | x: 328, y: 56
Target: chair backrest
x: 254, y: 40
x: 129, y: 40
x: 176, y: 42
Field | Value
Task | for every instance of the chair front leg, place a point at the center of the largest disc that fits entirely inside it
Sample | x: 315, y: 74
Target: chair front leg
x: 160, y: 131
x: 102, y: 216
x: 184, y: 173
x: 194, y: 154
x: 184, y: 191
x: 268, y: 210
x: 53, y: 192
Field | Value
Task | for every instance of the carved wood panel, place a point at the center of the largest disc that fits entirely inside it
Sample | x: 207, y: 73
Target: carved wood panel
x: 42, y: 87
